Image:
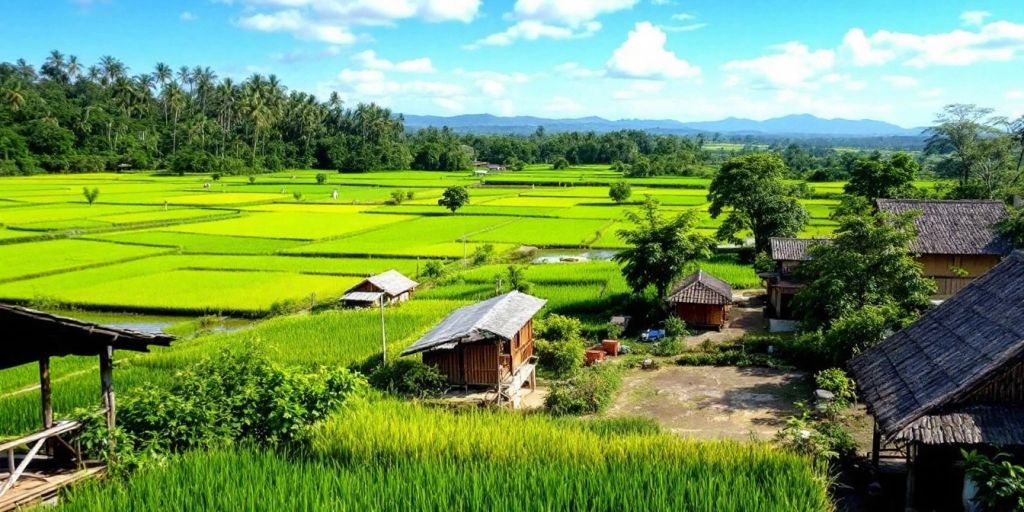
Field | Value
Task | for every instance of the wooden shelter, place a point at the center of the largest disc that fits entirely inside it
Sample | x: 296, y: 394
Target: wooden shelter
x: 782, y: 284
x: 388, y: 288
x: 489, y: 343
x: 957, y: 241
x: 953, y: 379
x: 30, y: 336
x: 702, y: 300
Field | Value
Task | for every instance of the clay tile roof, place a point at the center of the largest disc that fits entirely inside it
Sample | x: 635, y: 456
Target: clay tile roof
x: 953, y: 227
x: 793, y: 249
x: 701, y: 288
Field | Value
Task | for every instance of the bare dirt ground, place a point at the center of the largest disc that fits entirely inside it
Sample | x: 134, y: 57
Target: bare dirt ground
x: 713, y: 402
x: 747, y: 316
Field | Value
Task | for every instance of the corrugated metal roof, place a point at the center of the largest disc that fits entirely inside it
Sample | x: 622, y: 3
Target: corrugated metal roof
x: 362, y: 296
x: 701, y: 288
x: 947, y: 351
x: 953, y: 227
x: 392, y: 282
x: 501, y: 316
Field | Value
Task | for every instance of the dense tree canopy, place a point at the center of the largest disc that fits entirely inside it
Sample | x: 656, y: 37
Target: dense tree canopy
x: 751, y: 191
x: 876, y: 177
x: 659, y: 248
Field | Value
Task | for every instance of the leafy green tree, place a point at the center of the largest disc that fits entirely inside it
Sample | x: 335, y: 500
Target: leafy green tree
x: 454, y: 198
x: 560, y: 163
x: 620, y: 192
x: 1000, y: 481
x: 321, y: 178
x: 868, y: 263
x: 751, y: 190
x: 397, y: 196
x: 659, y: 248
x: 959, y: 132
x: 560, y: 346
x: 516, y: 276
x: 90, y: 194
x: 874, y: 177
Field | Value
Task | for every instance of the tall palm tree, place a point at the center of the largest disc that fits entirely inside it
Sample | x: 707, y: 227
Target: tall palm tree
x: 111, y: 69
x: 74, y: 68
x: 27, y: 72
x: 13, y: 94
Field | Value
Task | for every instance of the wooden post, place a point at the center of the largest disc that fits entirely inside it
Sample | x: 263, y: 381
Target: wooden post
x: 107, y: 384
x: 383, y: 334
x: 876, y: 445
x: 45, y: 392
x: 908, y: 502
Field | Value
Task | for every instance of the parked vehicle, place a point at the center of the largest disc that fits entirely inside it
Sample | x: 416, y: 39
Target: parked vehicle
x: 652, y: 334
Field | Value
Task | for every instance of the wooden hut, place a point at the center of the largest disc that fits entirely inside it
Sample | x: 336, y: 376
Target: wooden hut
x: 957, y: 241
x: 702, y: 300
x: 387, y: 288
x: 47, y: 456
x: 953, y: 379
x: 489, y: 343
x: 781, y: 284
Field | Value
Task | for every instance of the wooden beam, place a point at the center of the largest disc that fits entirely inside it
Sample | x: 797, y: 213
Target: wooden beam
x: 45, y: 392
x: 908, y: 502
x: 876, y: 445
x: 107, y: 384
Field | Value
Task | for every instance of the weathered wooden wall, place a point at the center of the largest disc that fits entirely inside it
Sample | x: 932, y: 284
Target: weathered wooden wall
x: 1005, y: 387
x: 703, y: 315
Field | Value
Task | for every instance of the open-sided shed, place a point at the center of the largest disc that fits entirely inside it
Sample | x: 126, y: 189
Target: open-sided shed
x: 28, y: 336
x: 702, y: 300
x: 387, y: 288
x: 954, y: 378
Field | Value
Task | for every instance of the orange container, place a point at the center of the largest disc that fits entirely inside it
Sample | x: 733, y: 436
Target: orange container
x: 611, y: 347
x: 594, y: 356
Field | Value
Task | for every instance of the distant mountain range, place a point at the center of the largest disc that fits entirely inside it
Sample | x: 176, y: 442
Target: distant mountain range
x: 798, y: 125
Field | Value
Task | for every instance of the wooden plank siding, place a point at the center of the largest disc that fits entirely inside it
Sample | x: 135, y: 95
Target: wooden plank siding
x: 703, y: 315
x: 486, y: 362
x: 1006, y: 386
x: 940, y: 267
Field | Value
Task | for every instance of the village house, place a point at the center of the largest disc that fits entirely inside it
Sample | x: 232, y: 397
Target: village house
x: 487, y: 344
x: 41, y: 463
x: 953, y: 379
x: 956, y: 241
x: 781, y: 284
x: 387, y: 288
x: 701, y: 300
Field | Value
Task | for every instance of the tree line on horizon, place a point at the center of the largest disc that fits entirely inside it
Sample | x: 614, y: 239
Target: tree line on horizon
x: 69, y: 117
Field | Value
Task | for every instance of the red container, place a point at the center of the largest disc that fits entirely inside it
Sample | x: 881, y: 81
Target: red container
x: 611, y: 347
x: 594, y: 356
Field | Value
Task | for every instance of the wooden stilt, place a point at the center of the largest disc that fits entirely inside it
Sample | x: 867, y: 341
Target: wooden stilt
x: 107, y: 384
x: 908, y: 502
x: 876, y: 445
x: 45, y: 392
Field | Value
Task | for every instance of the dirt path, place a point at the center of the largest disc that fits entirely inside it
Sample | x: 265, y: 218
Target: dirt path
x: 747, y: 316
x: 713, y: 402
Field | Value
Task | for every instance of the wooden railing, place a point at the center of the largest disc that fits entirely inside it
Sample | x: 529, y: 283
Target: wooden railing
x: 35, y: 443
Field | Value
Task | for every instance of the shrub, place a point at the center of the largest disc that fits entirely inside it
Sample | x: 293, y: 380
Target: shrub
x: 560, y: 163
x: 215, y: 176
x: 321, y: 178
x: 675, y: 327
x: 233, y: 397
x: 590, y: 391
x: 667, y: 346
x: 482, y: 254
x: 764, y: 263
x: 1000, y: 482
x: 838, y: 383
x: 252, y: 180
x: 90, y: 194
x: 297, y: 195
x: 561, y: 358
x: 433, y: 270
x: 191, y: 160
x: 559, y: 327
x: 613, y: 331
x: 409, y: 377
x: 822, y: 440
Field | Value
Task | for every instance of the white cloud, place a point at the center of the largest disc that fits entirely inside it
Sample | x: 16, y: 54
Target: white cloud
x: 331, y: 20
x: 639, y: 89
x: 532, y: 30
x: 552, y: 19
x: 996, y: 41
x: 1015, y: 95
x: 683, y: 28
x: 643, y: 55
x: 561, y: 104
x: 567, y: 12
x: 792, y: 66
x: 491, y: 87
x: 186, y: 16
x: 901, y: 81
x: 934, y: 92
x: 974, y: 18
x: 575, y: 70
x: 369, y: 60
x: 303, y: 55
x: 683, y: 16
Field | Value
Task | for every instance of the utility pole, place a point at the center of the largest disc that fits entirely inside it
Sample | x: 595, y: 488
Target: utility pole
x: 383, y: 334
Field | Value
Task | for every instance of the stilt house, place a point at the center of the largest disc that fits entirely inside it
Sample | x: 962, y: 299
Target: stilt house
x: 489, y: 343
x: 387, y: 288
x: 957, y: 241
x: 953, y: 379
x: 702, y: 300
x: 782, y: 284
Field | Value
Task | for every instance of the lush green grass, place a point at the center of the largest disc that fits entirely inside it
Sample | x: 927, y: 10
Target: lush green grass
x: 439, y: 236
x: 21, y: 260
x: 292, y: 225
x: 200, y: 243
x: 727, y: 268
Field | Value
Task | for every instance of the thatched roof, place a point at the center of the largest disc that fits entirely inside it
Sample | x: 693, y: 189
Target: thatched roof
x: 701, y: 288
x: 953, y: 227
x: 947, y: 352
x: 793, y: 249
x: 27, y: 335
x: 392, y: 282
x: 977, y: 424
x: 502, y: 317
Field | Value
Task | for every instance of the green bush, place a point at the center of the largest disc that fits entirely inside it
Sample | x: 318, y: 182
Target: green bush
x: 589, y: 391
x: 233, y: 397
x: 560, y: 163
x: 1000, y: 481
x: 409, y: 377
x: 191, y: 160
x: 667, y: 346
x: 321, y: 178
x: 836, y: 381
x: 819, y: 439
x: 433, y: 270
x: 560, y: 346
x: 675, y: 327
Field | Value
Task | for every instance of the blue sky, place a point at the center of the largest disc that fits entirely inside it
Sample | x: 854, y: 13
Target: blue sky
x: 651, y: 59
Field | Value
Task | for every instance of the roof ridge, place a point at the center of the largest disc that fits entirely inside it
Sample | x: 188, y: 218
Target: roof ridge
x: 490, y: 311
